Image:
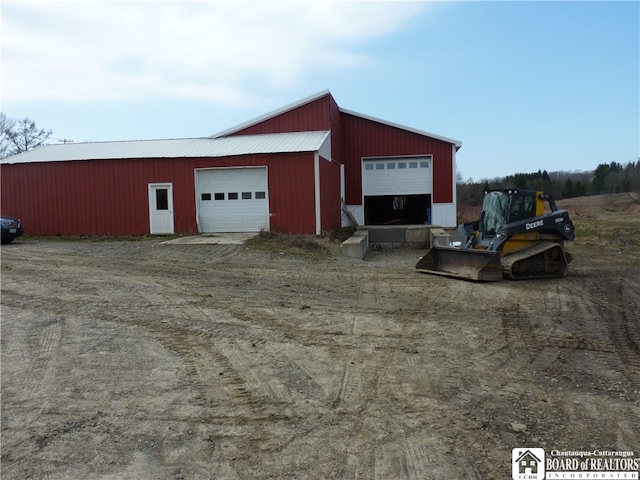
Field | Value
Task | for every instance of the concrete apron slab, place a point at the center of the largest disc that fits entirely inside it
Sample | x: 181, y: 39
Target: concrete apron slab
x: 212, y: 239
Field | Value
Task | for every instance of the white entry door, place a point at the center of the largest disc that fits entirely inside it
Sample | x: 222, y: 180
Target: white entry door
x: 160, y: 208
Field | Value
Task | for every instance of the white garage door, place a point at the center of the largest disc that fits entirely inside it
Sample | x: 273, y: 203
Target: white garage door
x: 232, y: 199
x: 396, y: 176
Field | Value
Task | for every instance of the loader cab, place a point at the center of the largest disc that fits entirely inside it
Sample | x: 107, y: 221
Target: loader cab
x: 501, y: 207
x: 494, y: 213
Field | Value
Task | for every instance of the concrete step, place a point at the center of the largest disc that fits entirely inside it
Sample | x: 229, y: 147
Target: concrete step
x: 393, y: 236
x: 357, y: 245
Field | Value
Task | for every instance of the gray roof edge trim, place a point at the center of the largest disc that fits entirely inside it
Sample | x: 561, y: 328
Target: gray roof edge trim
x: 68, y: 160
x: 325, y: 146
x: 70, y: 145
x: 16, y: 160
x: 457, y: 143
x: 142, y: 140
x: 271, y: 114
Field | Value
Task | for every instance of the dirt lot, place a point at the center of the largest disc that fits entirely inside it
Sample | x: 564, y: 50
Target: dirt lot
x: 138, y: 359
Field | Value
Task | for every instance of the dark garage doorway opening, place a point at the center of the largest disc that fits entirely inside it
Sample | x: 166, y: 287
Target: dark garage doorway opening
x: 397, y: 210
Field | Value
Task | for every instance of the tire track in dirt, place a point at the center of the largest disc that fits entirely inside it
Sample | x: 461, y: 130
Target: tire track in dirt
x: 556, y: 339
x: 44, y: 348
x: 365, y: 395
x: 353, y: 378
x: 620, y: 306
x: 203, y: 338
x: 419, y: 455
x: 350, y: 385
x: 198, y: 349
x: 223, y: 401
x: 214, y: 378
x: 564, y: 325
x: 282, y: 346
x: 358, y: 391
x: 518, y: 334
x: 618, y: 334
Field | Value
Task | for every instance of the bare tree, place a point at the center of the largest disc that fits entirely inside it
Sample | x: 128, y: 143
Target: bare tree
x: 6, y: 126
x: 25, y: 135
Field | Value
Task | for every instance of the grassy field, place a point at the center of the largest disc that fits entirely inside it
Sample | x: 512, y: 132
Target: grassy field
x: 606, y: 221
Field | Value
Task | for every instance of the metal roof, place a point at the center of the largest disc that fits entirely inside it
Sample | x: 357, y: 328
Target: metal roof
x: 316, y: 96
x: 175, y: 148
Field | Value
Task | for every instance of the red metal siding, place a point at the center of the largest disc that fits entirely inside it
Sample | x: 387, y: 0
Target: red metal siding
x: 312, y: 116
x: 320, y: 114
x: 354, y: 137
x: 291, y: 194
x: 110, y: 197
x: 330, y: 204
x: 336, y: 130
x: 366, y: 138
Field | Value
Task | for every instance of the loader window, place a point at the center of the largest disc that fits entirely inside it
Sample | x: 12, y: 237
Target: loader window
x: 517, y: 209
x: 494, y: 208
x: 530, y: 206
x: 522, y: 207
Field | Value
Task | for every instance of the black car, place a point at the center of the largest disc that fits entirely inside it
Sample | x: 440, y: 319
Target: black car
x: 11, y: 228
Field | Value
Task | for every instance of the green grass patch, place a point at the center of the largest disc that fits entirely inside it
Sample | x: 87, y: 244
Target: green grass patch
x: 605, y: 228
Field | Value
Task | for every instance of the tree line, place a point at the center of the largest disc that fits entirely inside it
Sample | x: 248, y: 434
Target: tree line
x: 611, y: 177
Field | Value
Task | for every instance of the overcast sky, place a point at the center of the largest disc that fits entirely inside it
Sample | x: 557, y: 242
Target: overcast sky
x: 524, y: 85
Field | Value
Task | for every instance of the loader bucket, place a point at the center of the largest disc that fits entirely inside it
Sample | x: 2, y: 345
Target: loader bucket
x: 467, y: 263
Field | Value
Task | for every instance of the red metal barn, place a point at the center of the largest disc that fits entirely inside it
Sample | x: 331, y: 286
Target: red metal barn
x: 288, y: 171
x: 392, y: 173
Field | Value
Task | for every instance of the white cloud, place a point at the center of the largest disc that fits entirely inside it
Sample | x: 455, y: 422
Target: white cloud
x: 92, y: 51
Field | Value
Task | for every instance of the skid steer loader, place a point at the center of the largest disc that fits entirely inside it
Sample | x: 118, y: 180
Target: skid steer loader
x: 514, y: 238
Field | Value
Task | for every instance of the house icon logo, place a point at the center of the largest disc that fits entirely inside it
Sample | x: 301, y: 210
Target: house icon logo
x: 527, y: 463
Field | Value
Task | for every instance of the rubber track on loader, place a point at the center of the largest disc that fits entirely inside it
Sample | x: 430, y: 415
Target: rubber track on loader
x: 545, y: 260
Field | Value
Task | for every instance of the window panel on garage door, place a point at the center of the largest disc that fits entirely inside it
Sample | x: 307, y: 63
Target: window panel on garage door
x: 396, y: 176
x: 233, y: 199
